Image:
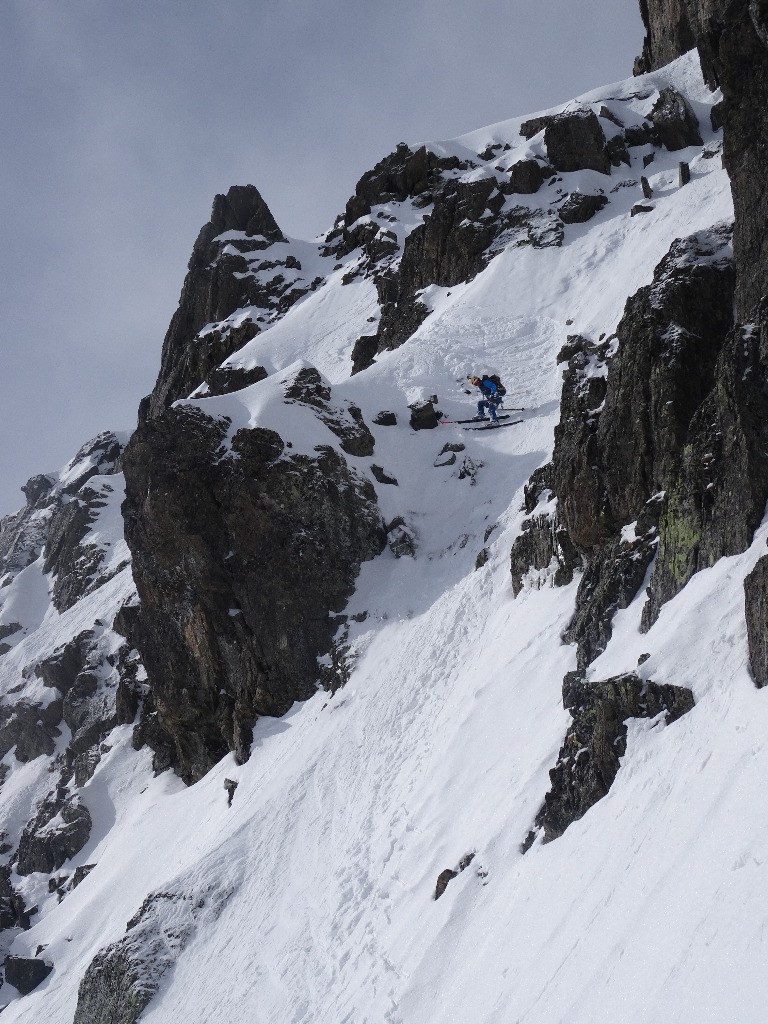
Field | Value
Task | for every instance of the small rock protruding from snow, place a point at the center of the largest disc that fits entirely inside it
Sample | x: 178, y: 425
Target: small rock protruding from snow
x: 424, y: 416
x: 674, y: 123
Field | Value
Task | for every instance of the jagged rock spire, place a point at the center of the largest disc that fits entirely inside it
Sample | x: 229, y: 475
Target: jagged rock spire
x: 212, y: 291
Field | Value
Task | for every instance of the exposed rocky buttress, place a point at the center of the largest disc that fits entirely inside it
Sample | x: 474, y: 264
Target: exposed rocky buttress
x: 241, y: 557
x: 596, y: 741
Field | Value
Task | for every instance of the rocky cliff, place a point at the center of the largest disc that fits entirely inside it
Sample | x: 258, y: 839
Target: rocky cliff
x: 732, y: 39
x: 241, y: 548
x: 659, y: 466
x: 243, y: 555
x: 301, y: 529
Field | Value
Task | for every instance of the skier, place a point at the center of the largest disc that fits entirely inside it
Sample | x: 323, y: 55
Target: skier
x: 492, y: 395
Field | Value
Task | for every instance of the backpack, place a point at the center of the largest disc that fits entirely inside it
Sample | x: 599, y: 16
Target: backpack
x: 500, y: 389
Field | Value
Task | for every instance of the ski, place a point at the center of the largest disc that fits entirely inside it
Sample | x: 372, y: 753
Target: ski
x: 478, y: 419
x: 496, y: 426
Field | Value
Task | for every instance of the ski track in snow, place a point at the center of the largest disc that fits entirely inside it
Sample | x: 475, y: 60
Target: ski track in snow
x: 651, y: 909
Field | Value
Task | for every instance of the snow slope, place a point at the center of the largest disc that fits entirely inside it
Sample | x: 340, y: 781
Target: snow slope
x: 311, y: 898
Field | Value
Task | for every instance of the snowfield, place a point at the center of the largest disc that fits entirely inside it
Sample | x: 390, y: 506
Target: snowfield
x: 310, y: 899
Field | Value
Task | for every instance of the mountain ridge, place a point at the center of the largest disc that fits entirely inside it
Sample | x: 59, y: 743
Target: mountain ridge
x: 302, y: 864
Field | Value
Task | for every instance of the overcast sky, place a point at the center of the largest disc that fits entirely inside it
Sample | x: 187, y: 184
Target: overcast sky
x: 121, y: 119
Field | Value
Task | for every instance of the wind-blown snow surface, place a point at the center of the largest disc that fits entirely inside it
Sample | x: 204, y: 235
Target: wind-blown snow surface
x: 652, y: 909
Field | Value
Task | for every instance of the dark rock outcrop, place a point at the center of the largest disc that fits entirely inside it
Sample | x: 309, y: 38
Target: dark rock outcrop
x: 734, y: 50
x: 385, y: 419
x: 525, y: 177
x: 443, y: 879
x: 68, y: 553
x: 363, y: 352
x: 9, y: 629
x: 669, y: 33
x: 30, y: 728
x: 381, y: 475
x: 732, y: 40
x: 121, y: 979
x: 617, y: 151
x: 424, y: 416
x: 56, y: 518
x: 463, y: 228
x: 631, y: 428
x: 597, y: 740
x: 575, y: 141
x: 545, y: 547
x: 638, y: 135
x: 579, y: 207
x: 607, y: 467
x: 238, y: 559
x: 26, y: 973
x: 449, y: 874
x: 23, y: 534
x: 674, y: 123
x: 60, y: 669
x: 446, y: 249
x: 534, y: 125
x: 223, y: 277
x: 37, y: 488
x: 309, y: 388
x: 226, y: 379
x: 401, y: 175
x: 59, y: 830
x: 401, y: 539
x: 717, y: 498
x: 13, y: 911
x: 613, y: 574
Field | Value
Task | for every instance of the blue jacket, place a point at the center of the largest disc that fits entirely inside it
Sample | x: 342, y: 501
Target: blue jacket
x: 488, y: 388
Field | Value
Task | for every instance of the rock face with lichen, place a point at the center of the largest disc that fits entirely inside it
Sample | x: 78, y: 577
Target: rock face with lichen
x: 636, y: 471
x: 660, y: 456
x: 732, y: 40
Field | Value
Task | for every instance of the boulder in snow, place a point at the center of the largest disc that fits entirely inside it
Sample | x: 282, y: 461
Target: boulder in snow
x: 525, y: 177
x: 575, y: 141
x: 26, y: 973
x: 580, y: 207
x: 674, y: 123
